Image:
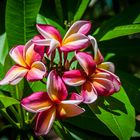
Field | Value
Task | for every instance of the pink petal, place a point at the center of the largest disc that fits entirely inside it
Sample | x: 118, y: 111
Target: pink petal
x: 33, y: 53
x: 88, y: 93
x: 37, y: 102
x: 14, y: 75
x: 41, y: 41
x: 74, y: 99
x: 17, y: 55
x: 86, y: 61
x: 114, y: 78
x: 99, y: 74
x: 49, y: 32
x: 109, y: 66
x: 104, y: 87
x: 75, y: 42
x: 97, y: 54
x: 80, y: 26
x: 74, y: 77
x: 77, y: 97
x: 68, y: 110
x: 56, y: 88
x: 37, y: 71
x: 53, y: 45
x: 45, y: 121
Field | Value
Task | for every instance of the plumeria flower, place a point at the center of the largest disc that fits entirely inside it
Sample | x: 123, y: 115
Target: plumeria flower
x: 74, y: 39
x: 96, y: 77
x: 52, y: 104
x: 28, y: 64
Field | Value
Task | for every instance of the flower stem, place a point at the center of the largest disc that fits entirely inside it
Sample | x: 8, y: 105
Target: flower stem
x: 20, y: 109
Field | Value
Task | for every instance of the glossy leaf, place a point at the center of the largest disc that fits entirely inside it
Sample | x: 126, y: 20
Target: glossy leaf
x: 89, y: 122
x: 131, y: 86
x: 121, y: 31
x: 7, y: 101
x: 124, y: 18
x: 82, y: 134
x: 117, y: 114
x: 3, y: 48
x: 20, y: 20
x: 82, y: 7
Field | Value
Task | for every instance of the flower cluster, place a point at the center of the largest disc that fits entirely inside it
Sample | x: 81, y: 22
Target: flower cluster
x: 93, y: 76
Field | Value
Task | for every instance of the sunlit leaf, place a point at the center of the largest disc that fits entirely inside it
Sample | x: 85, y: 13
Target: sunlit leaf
x: 81, y: 9
x: 3, y: 48
x: 7, y: 101
x: 89, y: 122
x: 112, y: 26
x: 20, y: 20
x: 131, y: 86
x: 121, y: 31
x: 116, y: 113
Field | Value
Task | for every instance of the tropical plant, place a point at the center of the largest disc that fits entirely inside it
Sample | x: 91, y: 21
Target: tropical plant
x: 58, y: 76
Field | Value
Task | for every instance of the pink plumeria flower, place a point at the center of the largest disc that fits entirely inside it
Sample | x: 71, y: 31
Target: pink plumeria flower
x: 28, y: 64
x: 52, y: 104
x: 74, y: 39
x: 94, y: 78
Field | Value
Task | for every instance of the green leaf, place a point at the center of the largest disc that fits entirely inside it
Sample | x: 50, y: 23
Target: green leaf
x: 82, y: 7
x: 89, y: 122
x: 20, y: 20
x: 7, y: 101
x: 131, y: 86
x: 121, y: 31
x: 116, y: 113
x: 3, y: 48
x: 82, y: 134
x: 137, y: 20
x: 118, y: 22
x: 30, y: 87
x: 37, y: 86
x: 43, y: 20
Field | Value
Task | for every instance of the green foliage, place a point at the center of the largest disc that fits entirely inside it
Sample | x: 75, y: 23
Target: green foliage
x: 3, y: 48
x: 80, y: 11
x: 20, y: 20
x: 121, y: 31
x: 120, y: 25
x: 117, y: 113
x: 118, y: 35
x: 7, y: 101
